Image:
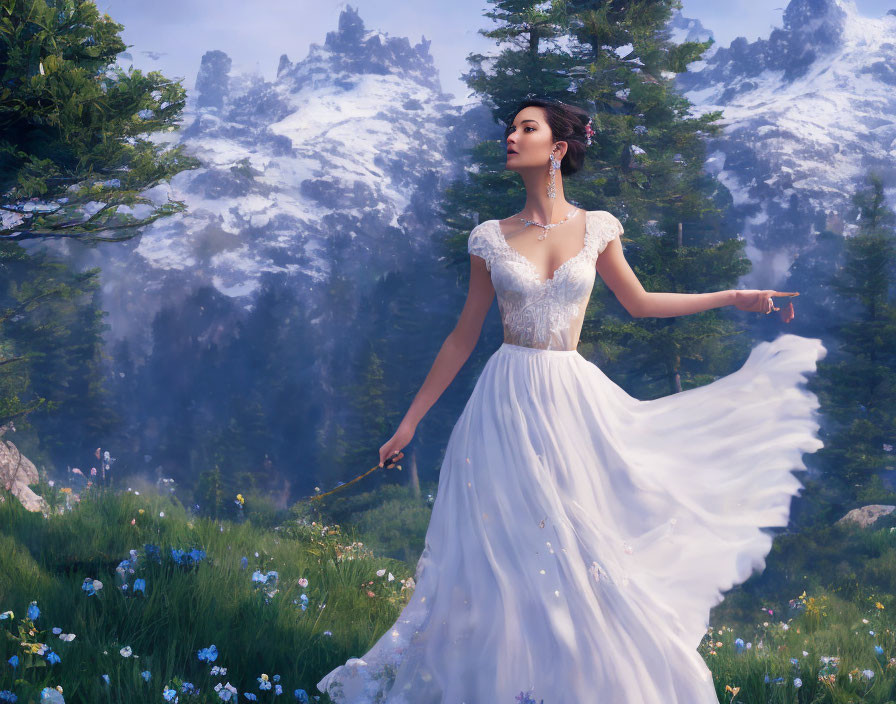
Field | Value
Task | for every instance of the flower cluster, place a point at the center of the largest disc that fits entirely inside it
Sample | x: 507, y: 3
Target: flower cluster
x: 187, y: 559
x: 589, y: 132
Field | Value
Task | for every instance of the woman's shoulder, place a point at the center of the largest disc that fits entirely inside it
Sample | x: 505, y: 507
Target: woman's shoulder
x: 481, y: 241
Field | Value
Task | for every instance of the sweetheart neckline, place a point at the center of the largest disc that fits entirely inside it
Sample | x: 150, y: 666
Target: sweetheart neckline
x: 525, y: 260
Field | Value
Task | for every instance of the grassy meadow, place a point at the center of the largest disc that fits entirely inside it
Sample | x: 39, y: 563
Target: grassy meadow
x: 127, y: 596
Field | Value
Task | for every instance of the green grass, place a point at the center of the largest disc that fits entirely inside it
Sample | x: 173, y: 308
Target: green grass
x: 256, y: 628
x: 260, y: 629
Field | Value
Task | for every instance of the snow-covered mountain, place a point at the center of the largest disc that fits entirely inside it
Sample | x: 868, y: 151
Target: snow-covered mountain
x: 807, y: 112
x: 339, y: 159
x: 344, y: 155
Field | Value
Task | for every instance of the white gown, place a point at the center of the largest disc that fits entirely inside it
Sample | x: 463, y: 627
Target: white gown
x: 580, y: 536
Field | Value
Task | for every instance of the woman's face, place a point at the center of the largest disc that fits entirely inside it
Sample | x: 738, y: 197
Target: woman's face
x: 529, y: 140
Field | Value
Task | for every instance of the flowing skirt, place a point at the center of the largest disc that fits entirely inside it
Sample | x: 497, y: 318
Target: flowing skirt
x: 580, y: 536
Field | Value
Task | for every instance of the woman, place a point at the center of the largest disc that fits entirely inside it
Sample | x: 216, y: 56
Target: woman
x: 580, y: 536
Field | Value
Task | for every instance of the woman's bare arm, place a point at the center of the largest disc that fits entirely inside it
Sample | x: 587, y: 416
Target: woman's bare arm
x: 621, y: 280
x: 619, y: 277
x: 455, y: 351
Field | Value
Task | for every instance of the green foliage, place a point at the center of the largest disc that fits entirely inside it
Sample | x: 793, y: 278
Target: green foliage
x: 391, y: 517
x: 261, y: 510
x: 839, y: 558
x: 76, y: 129
x: 51, y: 327
x: 856, y: 383
x: 210, y: 493
x: 369, y: 402
x: 255, y: 627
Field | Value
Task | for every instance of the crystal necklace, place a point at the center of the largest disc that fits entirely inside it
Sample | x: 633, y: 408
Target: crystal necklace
x: 549, y: 225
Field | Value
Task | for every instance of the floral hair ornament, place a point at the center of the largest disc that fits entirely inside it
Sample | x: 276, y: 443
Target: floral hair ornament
x: 589, y: 131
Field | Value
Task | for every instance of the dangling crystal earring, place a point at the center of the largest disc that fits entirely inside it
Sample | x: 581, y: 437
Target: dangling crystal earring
x: 555, y: 165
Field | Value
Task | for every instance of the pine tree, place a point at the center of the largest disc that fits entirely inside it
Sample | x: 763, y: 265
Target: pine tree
x: 370, y: 424
x: 856, y: 383
x: 51, y: 381
x: 210, y: 493
x: 75, y: 128
x: 73, y: 131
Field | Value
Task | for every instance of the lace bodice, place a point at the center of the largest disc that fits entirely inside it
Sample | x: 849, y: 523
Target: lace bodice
x: 543, y: 314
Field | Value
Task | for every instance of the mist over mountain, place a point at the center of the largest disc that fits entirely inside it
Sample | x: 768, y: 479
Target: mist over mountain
x: 807, y: 112
x: 343, y: 156
x: 337, y: 162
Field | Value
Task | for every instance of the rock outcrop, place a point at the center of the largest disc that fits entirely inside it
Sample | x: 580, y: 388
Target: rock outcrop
x: 867, y: 515
x: 17, y: 472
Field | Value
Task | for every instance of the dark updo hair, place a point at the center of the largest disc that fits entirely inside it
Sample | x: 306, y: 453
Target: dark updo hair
x: 567, y: 123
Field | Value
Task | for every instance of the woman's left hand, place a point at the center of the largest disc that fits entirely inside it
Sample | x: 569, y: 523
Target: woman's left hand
x: 760, y: 301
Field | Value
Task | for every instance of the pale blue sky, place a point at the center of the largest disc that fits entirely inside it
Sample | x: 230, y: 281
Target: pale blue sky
x: 256, y: 34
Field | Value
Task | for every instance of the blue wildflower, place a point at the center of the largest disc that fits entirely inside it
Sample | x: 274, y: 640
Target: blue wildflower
x: 33, y: 611
x: 140, y: 585
x: 278, y: 690
x: 53, y: 658
x: 250, y: 696
x: 187, y: 558
x: 7, y: 696
x: 88, y: 587
x: 524, y: 698
x: 301, y: 696
x: 51, y: 696
x: 210, y: 653
x: 244, y: 563
x: 125, y: 567
x: 106, y: 677
x: 169, y: 693
x: 14, y: 661
x: 276, y: 678
x: 153, y: 552
x: 188, y: 688
x: 146, y: 675
x: 878, y: 650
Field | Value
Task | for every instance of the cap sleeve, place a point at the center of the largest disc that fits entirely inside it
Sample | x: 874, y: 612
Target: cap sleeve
x: 480, y: 244
x: 610, y: 230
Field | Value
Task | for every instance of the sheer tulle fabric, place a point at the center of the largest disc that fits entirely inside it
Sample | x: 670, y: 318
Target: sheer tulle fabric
x: 580, y: 536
